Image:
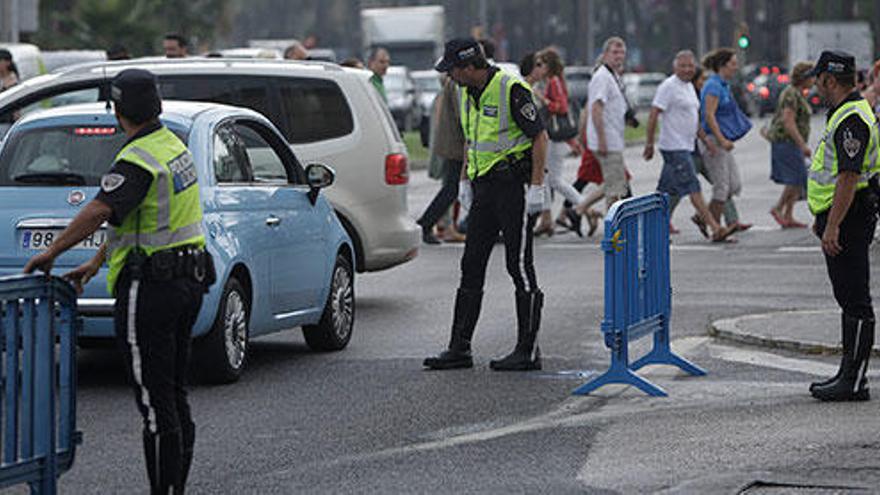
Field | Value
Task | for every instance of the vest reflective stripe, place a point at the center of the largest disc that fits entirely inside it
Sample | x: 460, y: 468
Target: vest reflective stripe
x: 822, y: 178
x: 163, y: 203
x: 170, y: 214
x: 155, y: 239
x: 491, y: 138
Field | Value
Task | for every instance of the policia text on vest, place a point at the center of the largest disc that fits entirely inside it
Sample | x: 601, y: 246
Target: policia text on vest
x: 502, y: 188
x: 841, y: 193
x: 158, y: 270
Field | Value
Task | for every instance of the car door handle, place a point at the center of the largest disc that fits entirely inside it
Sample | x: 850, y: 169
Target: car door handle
x: 273, y: 221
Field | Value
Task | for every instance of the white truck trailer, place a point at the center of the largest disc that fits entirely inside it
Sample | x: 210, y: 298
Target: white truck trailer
x: 413, y: 36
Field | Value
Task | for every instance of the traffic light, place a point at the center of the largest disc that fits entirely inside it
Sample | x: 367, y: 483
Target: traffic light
x: 742, y: 36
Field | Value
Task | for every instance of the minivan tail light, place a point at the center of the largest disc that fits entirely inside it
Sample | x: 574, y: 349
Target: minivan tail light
x: 396, y: 172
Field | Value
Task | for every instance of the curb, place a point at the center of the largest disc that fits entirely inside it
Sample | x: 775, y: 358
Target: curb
x: 727, y: 329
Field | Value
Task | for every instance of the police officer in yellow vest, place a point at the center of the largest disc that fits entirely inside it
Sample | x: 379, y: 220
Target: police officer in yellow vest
x: 502, y: 186
x: 840, y: 192
x: 158, y: 269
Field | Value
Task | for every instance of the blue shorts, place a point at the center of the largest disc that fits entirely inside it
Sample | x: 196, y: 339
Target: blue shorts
x: 679, y: 176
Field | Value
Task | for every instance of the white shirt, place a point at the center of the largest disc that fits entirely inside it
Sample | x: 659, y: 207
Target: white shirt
x: 681, y: 114
x: 603, y: 87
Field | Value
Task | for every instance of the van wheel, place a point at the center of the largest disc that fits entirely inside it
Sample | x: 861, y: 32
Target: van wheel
x: 333, y: 331
x: 221, y: 355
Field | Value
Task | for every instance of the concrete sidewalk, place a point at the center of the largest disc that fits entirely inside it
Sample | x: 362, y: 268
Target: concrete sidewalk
x: 810, y: 331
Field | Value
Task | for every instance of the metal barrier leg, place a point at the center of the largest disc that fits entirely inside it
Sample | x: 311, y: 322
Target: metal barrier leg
x: 618, y: 372
x: 662, y: 354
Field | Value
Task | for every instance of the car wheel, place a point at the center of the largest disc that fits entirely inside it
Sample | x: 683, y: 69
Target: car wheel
x: 221, y: 355
x: 333, y: 331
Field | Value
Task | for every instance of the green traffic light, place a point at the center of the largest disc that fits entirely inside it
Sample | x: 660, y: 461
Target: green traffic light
x: 743, y: 42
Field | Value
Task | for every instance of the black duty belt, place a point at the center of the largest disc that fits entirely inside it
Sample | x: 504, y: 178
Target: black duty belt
x: 174, y: 263
x: 507, y: 170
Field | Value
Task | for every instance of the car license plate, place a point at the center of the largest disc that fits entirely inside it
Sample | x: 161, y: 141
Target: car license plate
x: 41, y: 239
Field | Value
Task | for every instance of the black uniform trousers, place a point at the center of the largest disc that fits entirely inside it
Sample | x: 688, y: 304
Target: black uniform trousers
x: 153, y: 323
x: 849, y: 271
x: 499, y: 206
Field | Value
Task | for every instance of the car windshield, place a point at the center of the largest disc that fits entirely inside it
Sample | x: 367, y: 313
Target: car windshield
x: 60, y: 156
x: 394, y: 82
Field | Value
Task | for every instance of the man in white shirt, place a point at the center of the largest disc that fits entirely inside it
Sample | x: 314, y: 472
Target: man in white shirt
x: 678, y: 102
x: 606, y: 122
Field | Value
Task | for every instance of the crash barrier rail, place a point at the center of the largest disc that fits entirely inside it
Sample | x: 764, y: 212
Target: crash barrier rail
x: 38, y: 327
x: 638, y: 293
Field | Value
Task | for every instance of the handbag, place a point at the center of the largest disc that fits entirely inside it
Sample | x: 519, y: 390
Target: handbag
x: 736, y: 125
x: 561, y: 127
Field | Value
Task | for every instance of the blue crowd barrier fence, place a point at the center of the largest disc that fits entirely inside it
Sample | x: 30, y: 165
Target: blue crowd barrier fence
x: 38, y: 328
x: 638, y: 291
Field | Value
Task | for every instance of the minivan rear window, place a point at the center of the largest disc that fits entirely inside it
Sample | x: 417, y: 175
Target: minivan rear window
x: 61, y: 156
x: 314, y: 110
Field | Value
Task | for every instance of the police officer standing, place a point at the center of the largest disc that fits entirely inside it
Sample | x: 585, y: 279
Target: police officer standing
x: 845, y: 205
x: 502, y: 186
x: 158, y: 269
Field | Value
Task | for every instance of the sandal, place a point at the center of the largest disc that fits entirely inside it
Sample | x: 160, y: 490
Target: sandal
x: 593, y: 219
x: 544, y: 230
x: 794, y: 224
x: 574, y: 221
x: 704, y: 229
x: 742, y: 227
x: 776, y: 216
x: 724, y: 235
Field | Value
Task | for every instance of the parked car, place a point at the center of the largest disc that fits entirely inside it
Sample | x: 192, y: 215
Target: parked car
x: 641, y: 86
x: 764, y: 89
x: 57, y: 59
x: 250, y: 52
x: 577, y: 79
x: 403, y: 98
x: 327, y: 113
x: 282, y: 257
x: 28, y: 59
x: 427, y: 86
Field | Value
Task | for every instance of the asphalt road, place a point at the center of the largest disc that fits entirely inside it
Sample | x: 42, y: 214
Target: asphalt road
x: 370, y: 420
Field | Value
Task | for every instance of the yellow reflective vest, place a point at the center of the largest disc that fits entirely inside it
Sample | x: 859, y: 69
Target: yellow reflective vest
x: 490, y: 132
x: 823, y: 170
x: 171, y: 213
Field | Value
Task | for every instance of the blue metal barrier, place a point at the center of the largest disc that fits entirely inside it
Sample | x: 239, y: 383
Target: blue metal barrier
x: 638, y: 294
x: 38, y: 327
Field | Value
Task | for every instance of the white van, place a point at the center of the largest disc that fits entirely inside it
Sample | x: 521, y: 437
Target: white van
x: 27, y: 58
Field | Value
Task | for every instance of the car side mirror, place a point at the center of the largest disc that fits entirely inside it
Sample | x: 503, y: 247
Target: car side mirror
x: 318, y: 176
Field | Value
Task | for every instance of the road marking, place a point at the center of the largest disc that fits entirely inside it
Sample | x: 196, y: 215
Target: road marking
x: 800, y: 249
x: 775, y: 361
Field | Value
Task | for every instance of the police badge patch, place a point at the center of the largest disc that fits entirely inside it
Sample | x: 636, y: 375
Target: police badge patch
x: 111, y: 182
x: 851, y: 145
x: 529, y: 111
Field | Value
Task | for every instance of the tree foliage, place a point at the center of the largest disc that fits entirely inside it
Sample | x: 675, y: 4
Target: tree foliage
x: 136, y: 24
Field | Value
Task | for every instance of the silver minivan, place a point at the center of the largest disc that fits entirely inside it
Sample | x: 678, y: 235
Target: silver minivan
x: 328, y: 115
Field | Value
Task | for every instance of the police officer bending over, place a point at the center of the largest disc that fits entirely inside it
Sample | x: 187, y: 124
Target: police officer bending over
x: 502, y: 187
x: 158, y: 269
x: 845, y: 205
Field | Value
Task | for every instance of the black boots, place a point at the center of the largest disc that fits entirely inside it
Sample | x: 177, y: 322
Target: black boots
x: 851, y: 382
x: 526, y: 355
x: 464, y: 320
x: 428, y: 236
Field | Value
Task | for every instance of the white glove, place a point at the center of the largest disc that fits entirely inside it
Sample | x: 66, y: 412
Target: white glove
x: 535, y: 199
x: 465, y: 194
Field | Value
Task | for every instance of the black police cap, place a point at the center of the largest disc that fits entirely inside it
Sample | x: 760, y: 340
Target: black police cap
x: 459, y: 52
x: 136, y: 95
x: 835, y: 62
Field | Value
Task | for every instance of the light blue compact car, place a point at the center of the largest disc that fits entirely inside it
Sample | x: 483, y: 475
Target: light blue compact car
x: 282, y: 257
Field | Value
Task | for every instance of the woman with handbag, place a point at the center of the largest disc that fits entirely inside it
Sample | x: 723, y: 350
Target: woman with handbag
x: 561, y: 130
x: 723, y: 122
